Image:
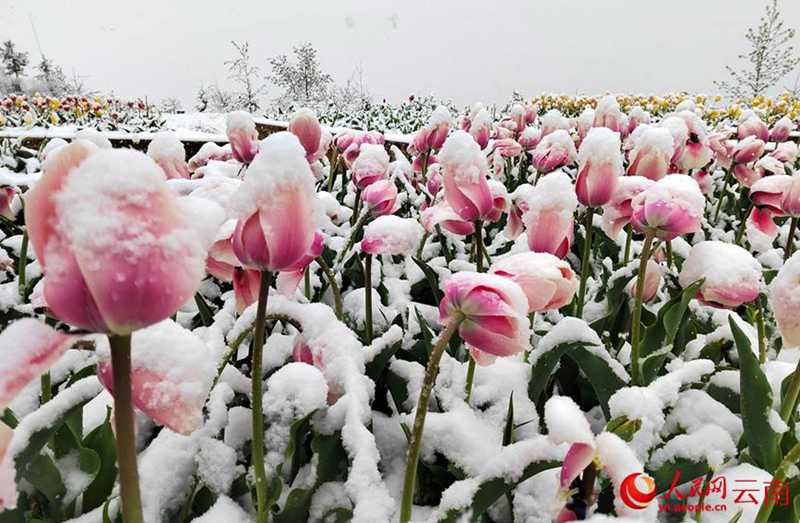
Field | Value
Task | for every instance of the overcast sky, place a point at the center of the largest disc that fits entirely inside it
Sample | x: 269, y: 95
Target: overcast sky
x: 463, y: 49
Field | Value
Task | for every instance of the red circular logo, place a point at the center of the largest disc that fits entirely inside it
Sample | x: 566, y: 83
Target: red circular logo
x: 637, y: 490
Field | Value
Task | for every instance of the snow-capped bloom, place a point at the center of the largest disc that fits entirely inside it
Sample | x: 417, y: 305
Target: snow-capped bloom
x: 444, y: 215
x: 276, y: 206
x: 787, y: 152
x: 553, y: 151
x: 168, y: 152
x: 617, y: 213
x: 552, y: 121
x: 480, y: 127
x: 287, y: 281
x: 652, y: 282
x: 761, y: 229
x: 432, y: 136
x: 746, y: 174
x: 494, y: 312
x: 636, y: 117
x: 391, y: 235
x: 584, y: 123
x: 652, y: 153
x: 305, y: 126
x: 6, y: 198
x: 380, y: 197
x: 549, y: 220
x: 680, y: 135
x: 748, y: 150
x: 723, y: 148
x: 508, y: 147
x: 465, y: 184
x: 704, y: 180
x: 371, y: 165
x: 697, y: 151
x: 599, y: 167
x: 137, y: 264
x: 243, y: 136
x: 753, y: 126
x: 671, y: 207
x: 609, y: 115
x: 784, y: 299
x: 93, y: 136
x: 779, y: 193
x: 221, y: 259
x: 731, y: 276
x: 530, y: 138
x: 169, y: 386
x: 781, y: 130
x: 246, y: 286
x: 500, y: 200
x: 547, y: 281
x: 434, y: 182
x: 209, y: 151
x: 769, y: 165
x: 351, y: 142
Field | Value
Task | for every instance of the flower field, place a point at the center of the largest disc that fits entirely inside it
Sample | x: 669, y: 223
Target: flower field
x: 565, y: 309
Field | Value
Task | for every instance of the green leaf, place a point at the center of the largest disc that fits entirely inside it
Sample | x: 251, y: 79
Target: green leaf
x: 298, y: 503
x: 729, y: 398
x: 296, y: 454
x: 40, y: 438
x: 508, y: 431
x: 686, y: 469
x: 491, y: 490
x: 431, y: 277
x: 205, y: 312
x: 756, y: 405
x: 101, y: 441
x: 623, y: 427
x: 376, y: 367
x: 601, y: 376
x: 41, y: 472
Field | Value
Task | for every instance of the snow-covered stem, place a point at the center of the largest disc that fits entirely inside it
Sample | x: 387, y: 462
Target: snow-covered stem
x: 337, y: 295
x: 762, y: 341
x: 424, y: 167
x: 46, y: 387
x: 477, y: 241
x: 636, y: 322
x: 587, y: 248
x: 368, y: 298
x: 22, y: 265
x: 668, y: 251
x: 307, y: 284
x: 789, y: 402
x: 257, y: 398
x: 422, y: 243
x: 332, y: 173
x: 419, y: 418
x: 742, y: 225
x: 790, y: 239
x: 125, y: 429
x: 360, y: 223
x: 470, y: 379
x: 778, y: 478
x: 724, y: 193
x: 232, y: 349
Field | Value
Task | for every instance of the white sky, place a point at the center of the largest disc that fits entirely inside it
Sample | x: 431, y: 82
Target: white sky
x: 467, y: 50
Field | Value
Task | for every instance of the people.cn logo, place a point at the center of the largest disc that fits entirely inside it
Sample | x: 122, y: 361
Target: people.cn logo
x: 637, y: 490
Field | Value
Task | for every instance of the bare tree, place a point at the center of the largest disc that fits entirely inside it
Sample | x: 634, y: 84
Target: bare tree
x: 771, y: 56
x: 202, y: 99
x: 246, y: 75
x: 52, y: 77
x: 172, y: 105
x: 303, y: 80
x: 15, y: 63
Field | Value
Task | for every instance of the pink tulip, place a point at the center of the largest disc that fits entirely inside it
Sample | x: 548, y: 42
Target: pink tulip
x: 209, y: 152
x: 371, y: 165
x: 517, y: 208
x: 552, y: 121
x: 314, y: 353
x: 276, y: 206
x: 617, y: 213
x: 134, y: 267
x: 380, y: 197
x: 549, y: 221
x: 243, y: 137
x: 599, y: 167
x: 772, y: 191
x: 547, y: 281
x: 761, y: 228
x: 722, y: 147
x: 391, y: 235
x: 419, y: 160
x: 494, y: 311
x: 480, y: 128
x: 8, y: 487
x: 786, y: 152
x: 554, y: 151
x: 791, y: 198
x: 168, y: 152
x: 753, y: 126
x: 748, y: 150
x: 769, y: 165
x: 221, y: 259
x: 783, y: 292
x: 584, y: 123
x: 305, y: 126
x: 652, y: 154
x: 444, y: 215
x: 508, y: 147
x: 680, y: 135
x: 608, y: 115
x: 500, y: 200
x: 6, y: 197
x: 745, y: 174
x: 697, y: 152
x: 636, y: 117
x: 246, y: 286
x: 530, y: 138
x: 465, y: 184
x: 652, y: 282
x: 433, y: 135
x: 169, y: 386
x: 782, y: 130
x: 287, y: 281
x: 350, y: 143
x: 703, y: 180
x: 434, y: 183
x: 737, y: 284
x: 671, y: 207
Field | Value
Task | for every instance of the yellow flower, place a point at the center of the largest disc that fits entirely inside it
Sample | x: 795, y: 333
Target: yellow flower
x: 53, y: 118
x: 3, y: 120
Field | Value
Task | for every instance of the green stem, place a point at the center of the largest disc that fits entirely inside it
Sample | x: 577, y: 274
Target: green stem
x: 628, y: 239
x: 257, y: 398
x: 668, y: 249
x: 332, y: 173
x: 22, y: 265
x: 587, y: 248
x: 478, y: 243
x: 790, y: 400
x: 778, y: 478
x: 742, y: 224
x: 47, y: 392
x: 125, y: 430
x: 636, y: 322
x: 356, y: 207
x: 698, y: 515
x: 368, y: 298
x: 790, y: 239
x: 232, y: 349
x: 307, y: 283
x: 415, y: 442
x: 723, y: 195
x: 422, y: 245
x: 762, y: 341
x: 337, y: 295
x: 470, y: 379
x: 362, y: 220
x: 424, y: 167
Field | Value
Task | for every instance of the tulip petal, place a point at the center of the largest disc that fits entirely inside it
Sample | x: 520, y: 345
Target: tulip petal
x: 578, y: 457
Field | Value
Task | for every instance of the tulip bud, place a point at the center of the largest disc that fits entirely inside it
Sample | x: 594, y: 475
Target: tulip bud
x: 465, y: 185
x: 243, y: 137
x: 669, y: 208
x: 547, y: 281
x: 380, y: 197
x: 652, y: 282
x: 305, y: 126
x: 391, y: 235
x: 599, y: 167
x: 731, y: 276
x: 554, y: 151
x: 168, y: 152
x: 652, y: 154
x: 549, y: 221
x: 783, y: 292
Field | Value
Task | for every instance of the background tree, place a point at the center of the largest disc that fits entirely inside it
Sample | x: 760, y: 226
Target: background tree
x: 14, y: 63
x: 246, y: 76
x: 51, y: 77
x: 172, y: 105
x: 302, y: 80
x: 201, y: 101
x: 771, y: 56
